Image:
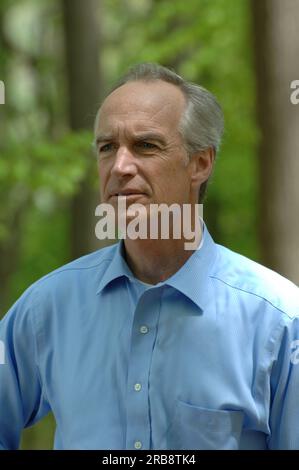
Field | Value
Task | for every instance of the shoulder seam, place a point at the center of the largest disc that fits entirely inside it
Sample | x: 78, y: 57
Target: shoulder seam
x: 61, y: 270
x: 252, y: 293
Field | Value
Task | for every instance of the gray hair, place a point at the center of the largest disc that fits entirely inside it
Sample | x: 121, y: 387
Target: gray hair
x: 201, y: 125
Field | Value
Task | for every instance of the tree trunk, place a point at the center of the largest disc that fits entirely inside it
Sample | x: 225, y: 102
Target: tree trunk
x: 82, y: 42
x: 275, y: 25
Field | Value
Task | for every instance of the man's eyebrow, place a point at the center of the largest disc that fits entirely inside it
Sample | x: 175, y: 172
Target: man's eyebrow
x: 102, y: 138
x: 149, y: 136
x: 138, y: 137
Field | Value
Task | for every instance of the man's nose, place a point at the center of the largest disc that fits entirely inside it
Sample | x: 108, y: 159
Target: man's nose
x: 124, y: 163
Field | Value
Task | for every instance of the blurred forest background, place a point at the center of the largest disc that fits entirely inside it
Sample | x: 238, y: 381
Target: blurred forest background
x: 58, y: 58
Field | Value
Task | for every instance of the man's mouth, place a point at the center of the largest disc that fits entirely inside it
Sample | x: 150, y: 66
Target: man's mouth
x: 127, y: 193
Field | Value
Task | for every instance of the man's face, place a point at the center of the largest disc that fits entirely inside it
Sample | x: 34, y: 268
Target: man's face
x: 141, y: 152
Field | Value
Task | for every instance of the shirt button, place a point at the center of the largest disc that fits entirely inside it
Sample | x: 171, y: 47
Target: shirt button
x: 137, y: 445
x: 137, y: 387
x: 143, y: 329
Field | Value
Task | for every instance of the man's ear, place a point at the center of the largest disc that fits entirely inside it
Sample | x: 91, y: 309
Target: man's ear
x: 201, y: 165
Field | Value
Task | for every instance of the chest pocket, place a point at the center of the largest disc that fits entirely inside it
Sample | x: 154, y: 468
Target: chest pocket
x: 199, y: 428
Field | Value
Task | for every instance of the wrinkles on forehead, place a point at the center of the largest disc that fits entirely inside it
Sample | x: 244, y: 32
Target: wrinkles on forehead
x: 157, y: 104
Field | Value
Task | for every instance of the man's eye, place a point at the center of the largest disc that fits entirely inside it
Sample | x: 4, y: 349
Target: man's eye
x: 146, y: 145
x: 105, y: 148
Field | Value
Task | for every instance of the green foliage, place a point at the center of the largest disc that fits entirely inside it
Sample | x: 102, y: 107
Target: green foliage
x: 41, y: 171
x: 44, y: 245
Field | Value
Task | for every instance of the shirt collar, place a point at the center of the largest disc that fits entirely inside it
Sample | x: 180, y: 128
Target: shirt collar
x: 192, y: 279
x: 117, y: 268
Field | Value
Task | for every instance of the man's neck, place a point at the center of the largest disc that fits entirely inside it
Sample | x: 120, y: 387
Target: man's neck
x: 154, y: 261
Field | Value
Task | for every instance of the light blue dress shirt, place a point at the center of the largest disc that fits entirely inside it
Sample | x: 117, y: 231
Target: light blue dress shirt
x: 204, y: 360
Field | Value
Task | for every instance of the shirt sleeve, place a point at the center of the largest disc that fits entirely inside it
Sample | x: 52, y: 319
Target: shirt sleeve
x: 22, y: 401
x: 284, y: 416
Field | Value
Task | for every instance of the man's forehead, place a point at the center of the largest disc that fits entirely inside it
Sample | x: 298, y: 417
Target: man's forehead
x: 143, y: 101
x: 148, y: 91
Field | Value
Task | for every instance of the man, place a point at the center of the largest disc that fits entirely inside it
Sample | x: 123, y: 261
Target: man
x: 146, y: 345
